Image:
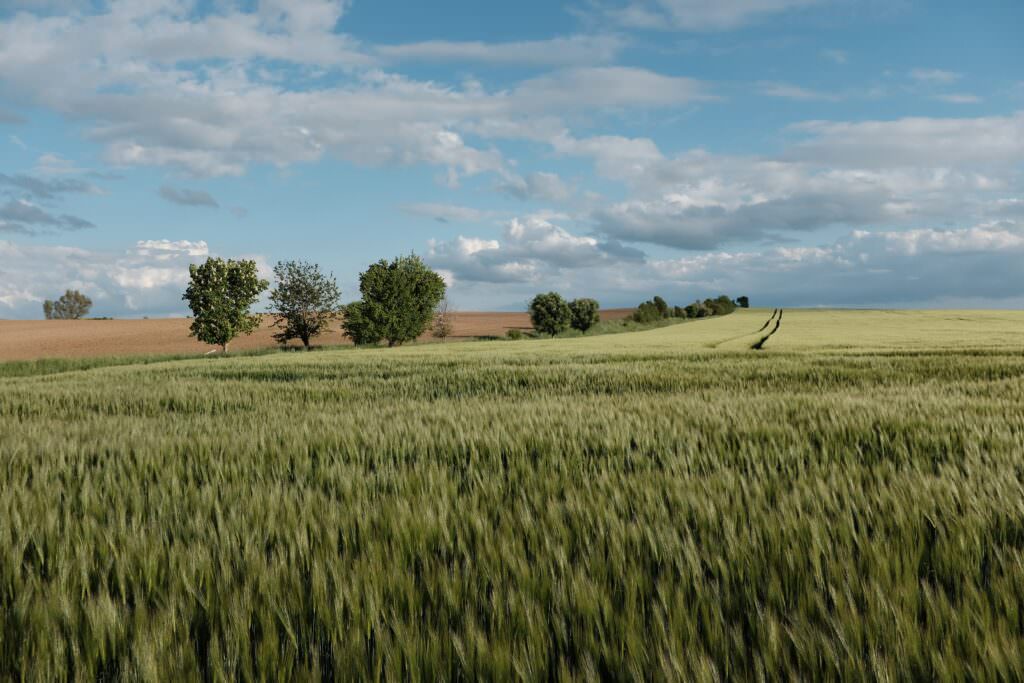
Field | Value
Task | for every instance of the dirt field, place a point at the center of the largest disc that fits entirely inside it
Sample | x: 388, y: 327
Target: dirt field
x: 32, y: 339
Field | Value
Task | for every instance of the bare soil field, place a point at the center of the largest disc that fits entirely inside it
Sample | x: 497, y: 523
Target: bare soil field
x: 33, y: 339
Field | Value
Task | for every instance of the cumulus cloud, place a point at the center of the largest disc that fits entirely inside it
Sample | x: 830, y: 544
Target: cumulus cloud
x: 530, y: 248
x: 147, y: 279
x: 186, y: 197
x: 919, y: 267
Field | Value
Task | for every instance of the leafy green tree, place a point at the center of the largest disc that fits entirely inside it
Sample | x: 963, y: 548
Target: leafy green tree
x: 72, y: 305
x: 585, y: 313
x: 305, y: 301
x: 398, y: 304
x: 678, y: 312
x: 220, y: 294
x: 743, y: 302
x: 647, y: 312
x: 550, y: 314
x: 661, y: 305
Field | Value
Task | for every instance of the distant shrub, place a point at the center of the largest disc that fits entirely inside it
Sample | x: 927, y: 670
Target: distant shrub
x: 550, y: 314
x: 585, y: 314
x: 514, y: 334
x: 743, y: 302
x: 678, y: 312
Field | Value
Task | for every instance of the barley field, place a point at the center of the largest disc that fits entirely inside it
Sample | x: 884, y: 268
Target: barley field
x: 845, y: 503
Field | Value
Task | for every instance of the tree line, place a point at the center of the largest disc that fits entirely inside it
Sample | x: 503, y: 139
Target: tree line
x: 399, y: 301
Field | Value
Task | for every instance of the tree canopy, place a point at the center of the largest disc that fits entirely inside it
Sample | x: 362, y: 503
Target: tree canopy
x: 72, y: 305
x: 550, y: 314
x: 398, y: 304
x: 304, y: 302
x: 585, y: 313
x: 220, y: 294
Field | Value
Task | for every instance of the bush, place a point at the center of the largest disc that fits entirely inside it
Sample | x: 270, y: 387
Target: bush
x: 398, y: 304
x: 743, y: 302
x: 550, y: 314
x: 585, y: 314
x: 514, y: 334
x: 679, y: 312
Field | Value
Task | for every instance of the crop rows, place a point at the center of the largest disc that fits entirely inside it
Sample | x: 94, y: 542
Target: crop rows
x: 531, y: 510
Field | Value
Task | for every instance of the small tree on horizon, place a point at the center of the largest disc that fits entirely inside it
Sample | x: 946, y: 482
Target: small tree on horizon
x: 550, y: 314
x: 398, y: 304
x: 743, y: 302
x: 444, y: 320
x: 220, y: 294
x: 585, y: 313
x: 305, y: 301
x: 72, y: 305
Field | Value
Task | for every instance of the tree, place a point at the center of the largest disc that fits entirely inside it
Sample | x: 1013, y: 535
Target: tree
x: 678, y: 312
x: 444, y: 320
x: 398, y: 304
x: 647, y: 312
x: 305, y: 301
x: 72, y: 305
x: 220, y: 294
x: 585, y: 313
x: 743, y: 302
x: 661, y: 305
x: 549, y: 313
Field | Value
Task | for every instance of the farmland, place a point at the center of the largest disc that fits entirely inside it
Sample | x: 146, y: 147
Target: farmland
x: 34, y: 339
x: 847, y: 502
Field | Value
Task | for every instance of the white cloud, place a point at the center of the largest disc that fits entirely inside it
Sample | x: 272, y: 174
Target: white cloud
x: 579, y: 50
x: 701, y: 15
x: 959, y: 98
x: 147, y: 279
x: 448, y: 213
x: 935, y: 76
x: 914, y: 141
x: 794, y: 92
x: 530, y: 248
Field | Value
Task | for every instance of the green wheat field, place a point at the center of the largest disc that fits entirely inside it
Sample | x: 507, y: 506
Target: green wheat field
x: 846, y: 503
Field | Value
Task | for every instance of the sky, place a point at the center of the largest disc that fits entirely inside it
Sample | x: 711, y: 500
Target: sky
x: 799, y: 152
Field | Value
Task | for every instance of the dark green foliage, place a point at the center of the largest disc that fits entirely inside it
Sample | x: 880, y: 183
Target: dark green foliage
x: 647, y: 312
x: 661, y: 305
x: 398, y: 304
x: 550, y: 314
x: 514, y: 334
x: 72, y: 305
x: 743, y: 302
x: 678, y: 312
x: 220, y: 294
x: 723, y: 305
x: 492, y: 512
x: 585, y: 313
x: 697, y: 310
x: 305, y: 301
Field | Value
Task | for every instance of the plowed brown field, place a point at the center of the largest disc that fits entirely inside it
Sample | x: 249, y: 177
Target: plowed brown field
x: 32, y: 339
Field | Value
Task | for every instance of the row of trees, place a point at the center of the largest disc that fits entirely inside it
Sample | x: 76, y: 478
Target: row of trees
x: 551, y: 314
x: 399, y: 300
x: 658, y: 309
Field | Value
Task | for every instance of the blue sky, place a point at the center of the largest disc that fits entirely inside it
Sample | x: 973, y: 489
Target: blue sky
x: 801, y: 152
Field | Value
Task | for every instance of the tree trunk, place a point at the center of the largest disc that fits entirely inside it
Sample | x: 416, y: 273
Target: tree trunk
x: 305, y: 342
x: 224, y: 347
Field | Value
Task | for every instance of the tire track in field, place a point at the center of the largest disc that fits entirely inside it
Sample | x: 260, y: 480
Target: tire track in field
x: 759, y: 345
x: 715, y: 345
